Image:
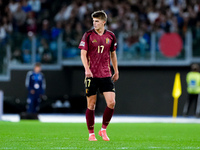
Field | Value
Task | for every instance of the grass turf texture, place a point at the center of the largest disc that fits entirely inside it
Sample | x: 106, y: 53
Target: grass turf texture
x: 140, y: 136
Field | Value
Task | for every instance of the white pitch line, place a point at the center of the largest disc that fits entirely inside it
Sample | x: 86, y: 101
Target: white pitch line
x: 56, y: 118
x: 12, y: 117
x: 115, y: 119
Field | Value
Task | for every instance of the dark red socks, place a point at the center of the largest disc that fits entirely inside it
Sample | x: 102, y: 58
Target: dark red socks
x: 90, y: 120
x: 108, y: 113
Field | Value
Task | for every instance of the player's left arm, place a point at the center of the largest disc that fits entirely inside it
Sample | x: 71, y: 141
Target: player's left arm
x: 113, y: 57
x: 43, y: 84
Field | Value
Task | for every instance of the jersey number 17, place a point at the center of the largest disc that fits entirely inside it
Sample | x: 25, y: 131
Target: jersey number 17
x: 100, y: 49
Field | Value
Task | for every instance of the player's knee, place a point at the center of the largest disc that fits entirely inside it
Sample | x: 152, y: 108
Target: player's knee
x: 91, y: 106
x: 111, y: 104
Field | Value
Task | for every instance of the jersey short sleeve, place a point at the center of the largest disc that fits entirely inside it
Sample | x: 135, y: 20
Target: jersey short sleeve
x: 84, y: 42
x: 114, y: 43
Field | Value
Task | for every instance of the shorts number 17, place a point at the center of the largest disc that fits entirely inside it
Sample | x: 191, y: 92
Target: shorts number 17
x: 87, y: 82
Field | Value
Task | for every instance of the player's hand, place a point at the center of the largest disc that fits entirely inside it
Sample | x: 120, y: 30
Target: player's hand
x: 115, y: 76
x: 32, y: 91
x: 88, y: 74
x: 43, y: 97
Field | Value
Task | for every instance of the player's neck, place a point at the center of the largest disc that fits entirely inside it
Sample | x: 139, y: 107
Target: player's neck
x: 100, y: 31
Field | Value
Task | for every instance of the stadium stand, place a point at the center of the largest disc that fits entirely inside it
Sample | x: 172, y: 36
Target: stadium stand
x: 135, y: 21
x: 49, y: 31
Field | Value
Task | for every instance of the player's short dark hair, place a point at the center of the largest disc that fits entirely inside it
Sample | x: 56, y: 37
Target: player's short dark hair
x: 195, y: 67
x: 37, y: 64
x: 100, y: 14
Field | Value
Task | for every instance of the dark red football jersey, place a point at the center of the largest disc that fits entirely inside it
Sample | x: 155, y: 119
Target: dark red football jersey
x: 98, y: 49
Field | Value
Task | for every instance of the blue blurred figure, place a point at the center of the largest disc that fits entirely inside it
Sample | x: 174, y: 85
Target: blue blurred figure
x: 36, y: 85
x: 56, y: 31
x: 45, y: 31
x: 27, y: 47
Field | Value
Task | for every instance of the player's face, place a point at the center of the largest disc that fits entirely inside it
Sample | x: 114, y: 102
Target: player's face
x: 98, y: 23
x: 37, y: 69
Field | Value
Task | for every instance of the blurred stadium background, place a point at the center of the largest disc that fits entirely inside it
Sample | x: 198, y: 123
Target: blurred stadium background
x: 49, y: 32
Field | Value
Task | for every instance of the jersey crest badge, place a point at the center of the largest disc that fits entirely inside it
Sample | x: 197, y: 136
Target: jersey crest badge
x: 107, y: 41
x: 94, y: 41
x: 82, y: 43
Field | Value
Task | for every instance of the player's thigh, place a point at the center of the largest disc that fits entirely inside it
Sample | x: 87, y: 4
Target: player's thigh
x: 106, y: 85
x: 110, y: 99
x: 91, y: 86
x: 91, y: 101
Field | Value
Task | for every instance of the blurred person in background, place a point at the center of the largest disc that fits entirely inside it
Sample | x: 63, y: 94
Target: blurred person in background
x: 31, y: 23
x: 45, y: 30
x: 25, y: 6
x: 68, y: 38
x: 60, y: 15
x: 17, y: 56
x: 193, y: 89
x: 36, y: 85
x: 35, y: 5
x: 2, y: 33
x: 19, y: 19
x: 56, y: 30
x: 46, y: 53
x: 27, y: 47
x: 13, y: 6
x: 71, y: 38
x: 7, y: 25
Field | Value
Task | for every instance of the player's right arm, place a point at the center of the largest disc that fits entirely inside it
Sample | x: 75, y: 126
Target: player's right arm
x: 27, y: 83
x: 84, y: 48
x: 88, y: 72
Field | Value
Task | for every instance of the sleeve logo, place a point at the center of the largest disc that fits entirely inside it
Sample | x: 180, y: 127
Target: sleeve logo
x: 82, y: 43
x: 115, y: 44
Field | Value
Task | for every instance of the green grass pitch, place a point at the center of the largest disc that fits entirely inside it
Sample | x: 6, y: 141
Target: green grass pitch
x: 137, y: 136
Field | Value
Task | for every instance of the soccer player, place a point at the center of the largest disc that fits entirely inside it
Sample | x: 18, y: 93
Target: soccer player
x: 98, y: 46
x: 36, y: 85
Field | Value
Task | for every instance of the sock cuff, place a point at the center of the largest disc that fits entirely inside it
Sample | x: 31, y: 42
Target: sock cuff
x: 90, y: 110
x: 91, y: 131
x: 109, y: 108
x: 103, y: 127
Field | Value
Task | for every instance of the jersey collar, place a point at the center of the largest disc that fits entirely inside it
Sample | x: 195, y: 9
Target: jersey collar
x: 98, y: 34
